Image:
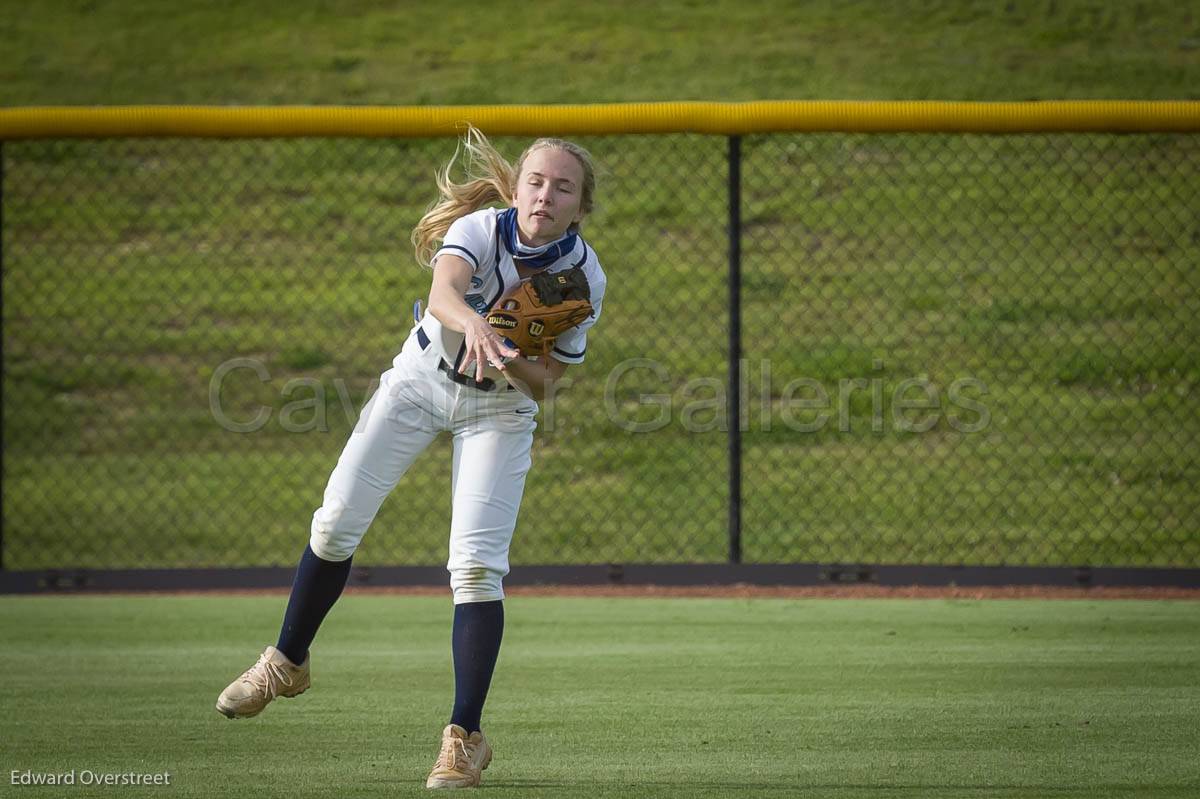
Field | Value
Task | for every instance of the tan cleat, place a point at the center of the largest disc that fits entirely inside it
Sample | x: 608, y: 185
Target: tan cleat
x: 462, y: 760
x: 273, y: 675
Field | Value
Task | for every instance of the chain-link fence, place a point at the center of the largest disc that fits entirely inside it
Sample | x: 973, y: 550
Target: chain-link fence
x: 956, y: 349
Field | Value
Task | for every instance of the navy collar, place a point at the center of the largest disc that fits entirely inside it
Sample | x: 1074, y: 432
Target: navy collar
x: 533, y: 257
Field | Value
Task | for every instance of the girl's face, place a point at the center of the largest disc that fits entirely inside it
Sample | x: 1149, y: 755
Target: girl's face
x: 548, y: 195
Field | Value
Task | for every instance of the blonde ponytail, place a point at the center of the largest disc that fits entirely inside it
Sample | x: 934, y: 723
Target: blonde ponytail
x: 490, y: 179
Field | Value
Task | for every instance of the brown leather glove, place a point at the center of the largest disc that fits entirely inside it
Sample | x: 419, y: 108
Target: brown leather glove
x: 539, y: 308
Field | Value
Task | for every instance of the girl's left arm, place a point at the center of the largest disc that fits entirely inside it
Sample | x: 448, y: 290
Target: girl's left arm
x: 534, y: 378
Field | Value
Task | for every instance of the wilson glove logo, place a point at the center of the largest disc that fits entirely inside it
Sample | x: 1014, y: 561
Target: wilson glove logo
x: 502, y: 320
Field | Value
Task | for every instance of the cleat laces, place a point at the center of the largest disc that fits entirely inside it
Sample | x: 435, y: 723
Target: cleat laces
x: 451, y: 748
x: 267, y: 677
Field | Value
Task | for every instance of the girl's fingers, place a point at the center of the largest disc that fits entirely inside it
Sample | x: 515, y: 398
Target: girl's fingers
x: 487, y: 350
x: 496, y: 356
x: 480, y: 359
x: 473, y: 350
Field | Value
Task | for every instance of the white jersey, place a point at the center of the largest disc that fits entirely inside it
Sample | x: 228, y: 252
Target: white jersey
x: 476, y: 240
x: 492, y: 427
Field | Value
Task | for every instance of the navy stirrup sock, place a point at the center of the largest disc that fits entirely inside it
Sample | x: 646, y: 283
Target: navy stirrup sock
x: 317, y: 586
x: 478, y: 628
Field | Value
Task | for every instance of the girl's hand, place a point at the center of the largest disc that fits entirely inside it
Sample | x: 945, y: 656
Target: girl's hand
x: 485, y: 346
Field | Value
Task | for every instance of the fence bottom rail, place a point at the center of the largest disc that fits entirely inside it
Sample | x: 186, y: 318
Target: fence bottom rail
x: 699, y: 574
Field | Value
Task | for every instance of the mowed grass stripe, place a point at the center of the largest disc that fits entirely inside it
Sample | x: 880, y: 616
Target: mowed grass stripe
x: 625, y: 697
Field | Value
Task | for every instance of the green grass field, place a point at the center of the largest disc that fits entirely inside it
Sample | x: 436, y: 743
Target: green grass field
x: 622, y: 697
x: 1059, y: 271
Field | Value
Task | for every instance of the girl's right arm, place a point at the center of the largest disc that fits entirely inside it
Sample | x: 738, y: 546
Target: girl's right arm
x: 451, y: 276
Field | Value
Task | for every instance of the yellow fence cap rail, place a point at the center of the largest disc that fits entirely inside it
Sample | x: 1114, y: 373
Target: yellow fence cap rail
x: 1117, y: 116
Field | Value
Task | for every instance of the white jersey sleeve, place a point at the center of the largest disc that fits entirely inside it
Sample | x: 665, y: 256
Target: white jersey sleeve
x: 472, y: 238
x: 571, y: 346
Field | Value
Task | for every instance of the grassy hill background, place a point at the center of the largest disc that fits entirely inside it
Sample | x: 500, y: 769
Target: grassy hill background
x: 140, y: 51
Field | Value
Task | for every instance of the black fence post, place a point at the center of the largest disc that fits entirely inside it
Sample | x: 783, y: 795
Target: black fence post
x: 734, y: 394
x: 1, y: 340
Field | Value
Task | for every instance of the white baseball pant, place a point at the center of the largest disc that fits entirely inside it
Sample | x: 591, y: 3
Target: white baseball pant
x: 493, y: 434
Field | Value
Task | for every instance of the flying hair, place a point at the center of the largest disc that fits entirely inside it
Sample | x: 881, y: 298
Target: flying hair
x: 490, y: 179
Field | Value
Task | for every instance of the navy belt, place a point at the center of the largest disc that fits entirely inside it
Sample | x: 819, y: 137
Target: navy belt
x: 486, y: 384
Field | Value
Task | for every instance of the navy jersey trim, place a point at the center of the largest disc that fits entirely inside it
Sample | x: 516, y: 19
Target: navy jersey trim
x: 499, y: 293
x: 585, y: 254
x: 566, y: 354
x: 422, y: 338
x: 499, y: 273
x: 462, y: 350
x: 471, y: 255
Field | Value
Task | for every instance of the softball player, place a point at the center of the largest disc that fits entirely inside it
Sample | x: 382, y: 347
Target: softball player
x: 453, y: 374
